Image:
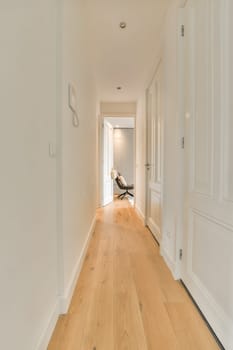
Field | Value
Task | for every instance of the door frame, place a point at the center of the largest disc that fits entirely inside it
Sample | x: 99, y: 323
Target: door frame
x: 147, y: 159
x: 180, y: 132
x: 101, y: 150
x: 180, y: 151
x: 177, y: 271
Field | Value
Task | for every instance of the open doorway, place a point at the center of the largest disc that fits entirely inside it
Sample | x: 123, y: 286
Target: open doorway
x: 118, y: 153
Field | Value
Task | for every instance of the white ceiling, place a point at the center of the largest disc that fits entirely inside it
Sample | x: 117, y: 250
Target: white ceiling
x: 124, y: 57
x: 121, y: 122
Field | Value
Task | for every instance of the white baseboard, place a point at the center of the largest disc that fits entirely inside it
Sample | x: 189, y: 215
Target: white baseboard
x: 49, y: 328
x: 155, y: 230
x: 169, y: 262
x: 63, y: 302
x: 66, y: 298
x: 140, y: 214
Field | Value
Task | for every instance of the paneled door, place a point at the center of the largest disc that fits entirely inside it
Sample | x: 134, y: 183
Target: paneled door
x: 208, y: 239
x: 154, y: 155
x: 107, y: 163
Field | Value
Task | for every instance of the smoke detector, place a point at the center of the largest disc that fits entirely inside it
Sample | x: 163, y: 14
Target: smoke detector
x: 123, y: 25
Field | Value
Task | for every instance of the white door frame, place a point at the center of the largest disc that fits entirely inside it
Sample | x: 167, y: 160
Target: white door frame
x: 100, y: 150
x: 180, y: 154
x: 180, y: 151
x: 180, y: 147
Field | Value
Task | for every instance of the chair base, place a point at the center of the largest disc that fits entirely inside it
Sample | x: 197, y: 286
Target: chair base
x: 122, y: 195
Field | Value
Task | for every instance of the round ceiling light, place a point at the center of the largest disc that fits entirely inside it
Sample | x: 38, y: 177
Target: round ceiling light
x: 119, y: 87
x: 123, y: 25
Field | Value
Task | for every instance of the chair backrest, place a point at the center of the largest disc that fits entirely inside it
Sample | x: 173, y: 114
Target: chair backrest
x: 119, y: 183
x: 120, y: 180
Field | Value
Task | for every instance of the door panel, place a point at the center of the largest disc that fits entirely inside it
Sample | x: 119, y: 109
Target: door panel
x: 208, y: 249
x: 154, y: 155
x: 204, y: 231
x: 203, y: 122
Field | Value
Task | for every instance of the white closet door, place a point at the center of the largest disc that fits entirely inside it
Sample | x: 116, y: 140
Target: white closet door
x: 208, y: 250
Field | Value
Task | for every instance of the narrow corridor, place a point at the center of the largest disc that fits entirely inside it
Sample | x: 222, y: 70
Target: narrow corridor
x: 126, y: 297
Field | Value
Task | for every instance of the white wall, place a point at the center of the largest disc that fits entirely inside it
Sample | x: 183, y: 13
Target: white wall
x: 118, y: 108
x: 78, y: 144
x: 123, y: 151
x: 28, y: 253
x: 43, y: 47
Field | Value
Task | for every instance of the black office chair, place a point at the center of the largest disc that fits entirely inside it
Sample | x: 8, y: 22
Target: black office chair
x: 122, y: 184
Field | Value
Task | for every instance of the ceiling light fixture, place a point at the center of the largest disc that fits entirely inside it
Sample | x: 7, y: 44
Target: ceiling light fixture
x: 123, y: 25
x: 119, y: 87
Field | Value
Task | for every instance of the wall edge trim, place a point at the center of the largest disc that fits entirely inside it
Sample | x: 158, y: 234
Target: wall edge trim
x: 169, y: 262
x: 49, y: 328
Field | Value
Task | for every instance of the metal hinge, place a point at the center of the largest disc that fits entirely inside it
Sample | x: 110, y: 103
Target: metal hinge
x: 182, y: 142
x: 182, y: 30
x: 180, y: 254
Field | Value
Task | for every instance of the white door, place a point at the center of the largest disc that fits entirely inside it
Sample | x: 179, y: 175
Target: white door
x: 107, y: 163
x: 208, y: 239
x: 154, y: 155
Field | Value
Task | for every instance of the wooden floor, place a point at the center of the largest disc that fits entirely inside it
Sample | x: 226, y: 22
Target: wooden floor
x: 126, y: 298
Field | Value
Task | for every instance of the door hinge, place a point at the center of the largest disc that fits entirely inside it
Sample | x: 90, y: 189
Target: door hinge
x: 182, y: 30
x: 182, y: 142
x: 180, y: 254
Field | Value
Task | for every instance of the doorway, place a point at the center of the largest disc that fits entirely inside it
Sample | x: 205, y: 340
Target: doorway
x: 118, y: 153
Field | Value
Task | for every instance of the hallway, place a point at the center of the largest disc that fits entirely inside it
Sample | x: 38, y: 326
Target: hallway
x: 126, y: 297
x: 67, y: 66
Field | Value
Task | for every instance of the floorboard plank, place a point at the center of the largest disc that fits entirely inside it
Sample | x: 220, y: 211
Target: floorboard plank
x: 126, y: 297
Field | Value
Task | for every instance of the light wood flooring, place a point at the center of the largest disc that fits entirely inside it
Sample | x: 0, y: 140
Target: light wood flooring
x: 126, y: 298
